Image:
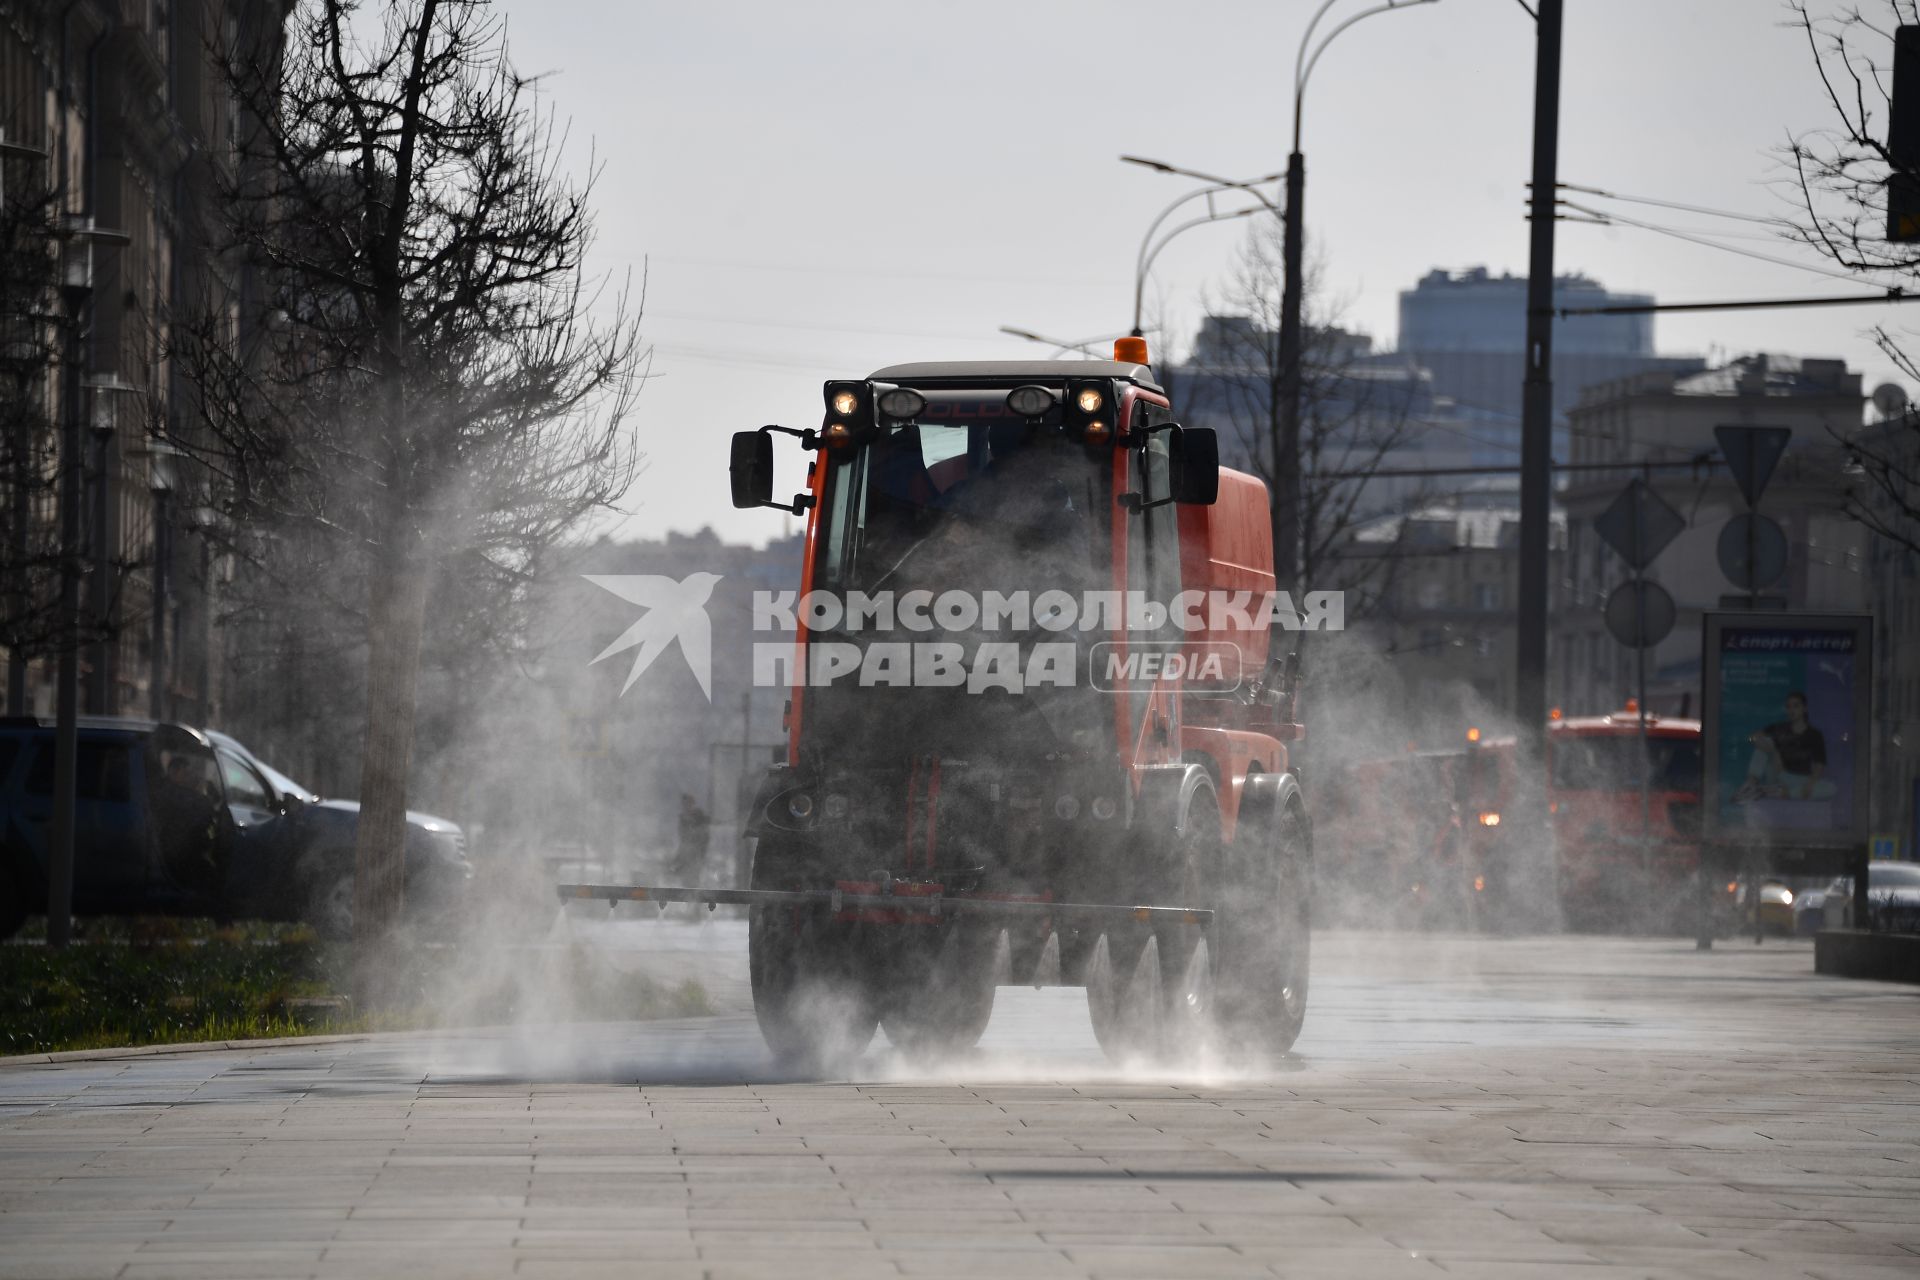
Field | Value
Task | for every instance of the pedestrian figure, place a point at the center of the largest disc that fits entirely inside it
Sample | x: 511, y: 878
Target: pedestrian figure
x: 690, y: 858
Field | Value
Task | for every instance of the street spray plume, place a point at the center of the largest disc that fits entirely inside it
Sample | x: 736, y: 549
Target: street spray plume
x: 572, y: 782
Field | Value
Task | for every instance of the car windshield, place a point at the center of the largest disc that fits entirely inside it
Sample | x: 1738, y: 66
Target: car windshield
x: 1893, y: 875
x: 1615, y: 763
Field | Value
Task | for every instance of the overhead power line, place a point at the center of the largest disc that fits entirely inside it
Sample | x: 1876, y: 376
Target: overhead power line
x: 1741, y: 304
x: 1672, y: 204
x: 1705, y: 243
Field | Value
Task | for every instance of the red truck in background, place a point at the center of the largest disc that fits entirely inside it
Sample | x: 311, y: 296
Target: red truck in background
x: 1420, y: 839
x: 1137, y: 829
x: 1415, y: 840
x: 1609, y: 878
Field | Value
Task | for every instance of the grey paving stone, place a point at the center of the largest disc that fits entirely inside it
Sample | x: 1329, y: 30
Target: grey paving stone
x: 1583, y: 1107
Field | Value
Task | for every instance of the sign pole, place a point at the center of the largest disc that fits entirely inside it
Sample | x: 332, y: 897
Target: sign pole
x: 1640, y: 698
x: 1705, y: 874
x: 1862, y: 906
x: 1646, y: 756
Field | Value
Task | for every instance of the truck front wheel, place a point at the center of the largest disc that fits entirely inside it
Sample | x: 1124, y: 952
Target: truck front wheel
x: 812, y: 993
x: 812, y: 977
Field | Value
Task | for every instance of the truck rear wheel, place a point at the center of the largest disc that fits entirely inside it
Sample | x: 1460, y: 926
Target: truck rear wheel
x: 1240, y: 986
x: 812, y: 979
x: 1261, y: 939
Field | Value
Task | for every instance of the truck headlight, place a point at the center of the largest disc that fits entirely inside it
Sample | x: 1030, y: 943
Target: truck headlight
x: 1031, y: 401
x: 903, y: 404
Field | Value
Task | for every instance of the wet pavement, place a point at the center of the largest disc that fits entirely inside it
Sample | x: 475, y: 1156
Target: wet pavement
x: 1530, y: 1107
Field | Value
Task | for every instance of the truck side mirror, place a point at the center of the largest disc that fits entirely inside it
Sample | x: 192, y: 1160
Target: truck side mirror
x: 1193, y: 457
x: 751, y: 469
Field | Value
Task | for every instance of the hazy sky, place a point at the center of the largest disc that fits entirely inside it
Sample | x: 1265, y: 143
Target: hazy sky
x: 820, y: 189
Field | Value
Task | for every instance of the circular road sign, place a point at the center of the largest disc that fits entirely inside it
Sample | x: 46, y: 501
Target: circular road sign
x: 1753, y: 551
x: 1640, y: 614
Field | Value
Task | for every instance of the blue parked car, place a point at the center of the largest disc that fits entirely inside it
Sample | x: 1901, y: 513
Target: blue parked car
x: 172, y: 820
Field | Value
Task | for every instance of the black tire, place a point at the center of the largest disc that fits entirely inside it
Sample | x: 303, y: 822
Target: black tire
x: 812, y: 992
x: 812, y: 978
x: 1246, y: 992
x: 1262, y: 937
x: 939, y: 999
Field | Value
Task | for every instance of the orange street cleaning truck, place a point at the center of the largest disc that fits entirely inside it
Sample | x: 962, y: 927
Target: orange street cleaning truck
x: 1040, y: 708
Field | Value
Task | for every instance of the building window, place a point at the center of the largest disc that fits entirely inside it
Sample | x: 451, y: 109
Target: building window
x: 1486, y: 596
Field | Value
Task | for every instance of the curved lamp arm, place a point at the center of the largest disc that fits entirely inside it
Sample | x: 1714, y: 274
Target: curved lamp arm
x: 1140, y: 278
x: 1303, y: 64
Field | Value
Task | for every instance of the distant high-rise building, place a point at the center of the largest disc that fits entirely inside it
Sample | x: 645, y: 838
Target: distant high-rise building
x: 1468, y: 330
x: 1479, y: 311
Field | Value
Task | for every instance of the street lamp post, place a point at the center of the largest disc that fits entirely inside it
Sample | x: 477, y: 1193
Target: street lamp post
x: 1287, y: 449
x: 78, y: 237
x: 103, y: 423
x: 1536, y: 448
x: 160, y: 483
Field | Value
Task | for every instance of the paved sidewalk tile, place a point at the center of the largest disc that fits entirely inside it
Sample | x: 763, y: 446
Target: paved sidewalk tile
x: 1502, y: 1109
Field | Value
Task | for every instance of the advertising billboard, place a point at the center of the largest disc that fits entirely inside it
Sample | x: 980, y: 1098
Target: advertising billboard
x: 1786, y: 730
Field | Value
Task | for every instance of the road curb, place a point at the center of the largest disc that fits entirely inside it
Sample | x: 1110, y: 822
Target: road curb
x: 196, y: 1046
x: 314, y: 1042
x: 1855, y: 953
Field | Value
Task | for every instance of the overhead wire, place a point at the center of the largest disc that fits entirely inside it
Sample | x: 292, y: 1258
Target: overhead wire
x: 1703, y: 210
x: 1614, y: 218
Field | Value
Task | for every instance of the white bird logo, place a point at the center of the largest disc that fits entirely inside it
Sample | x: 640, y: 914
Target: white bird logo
x: 675, y: 611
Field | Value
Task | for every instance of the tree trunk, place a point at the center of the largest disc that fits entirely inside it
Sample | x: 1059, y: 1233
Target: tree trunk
x: 396, y: 618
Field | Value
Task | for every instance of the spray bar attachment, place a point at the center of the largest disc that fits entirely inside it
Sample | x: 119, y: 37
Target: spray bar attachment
x: 922, y: 903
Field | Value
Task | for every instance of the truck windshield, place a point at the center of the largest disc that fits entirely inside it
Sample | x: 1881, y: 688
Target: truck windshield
x: 971, y: 506
x: 1614, y: 763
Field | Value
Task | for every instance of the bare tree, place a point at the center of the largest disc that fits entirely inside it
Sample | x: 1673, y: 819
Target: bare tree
x: 1846, y: 175
x: 29, y: 358
x: 1349, y: 422
x: 36, y: 355
x: 406, y: 384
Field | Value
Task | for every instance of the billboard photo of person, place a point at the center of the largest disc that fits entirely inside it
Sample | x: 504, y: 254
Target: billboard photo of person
x: 1789, y: 759
x: 1786, y: 738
